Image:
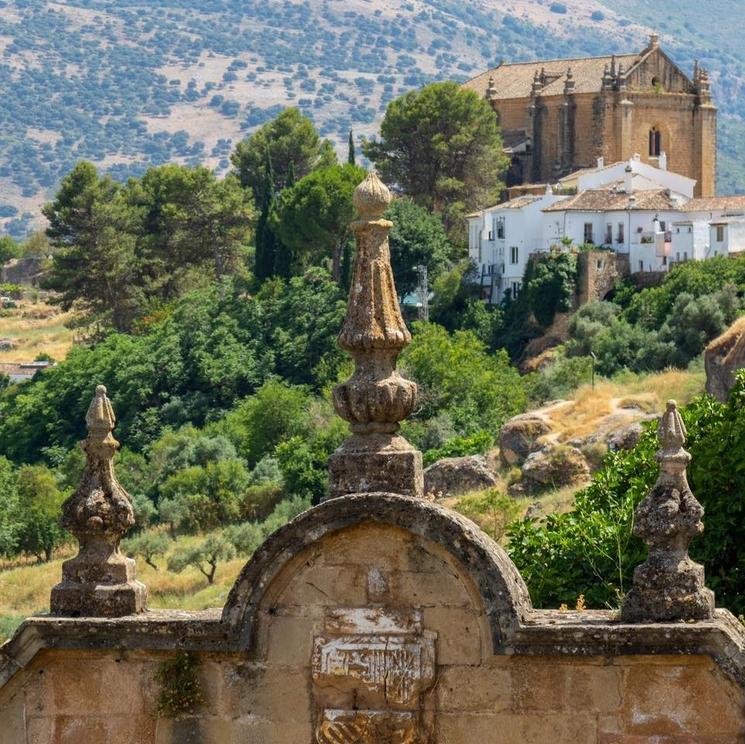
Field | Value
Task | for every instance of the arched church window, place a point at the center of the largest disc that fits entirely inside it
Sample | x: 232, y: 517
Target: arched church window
x: 655, y: 143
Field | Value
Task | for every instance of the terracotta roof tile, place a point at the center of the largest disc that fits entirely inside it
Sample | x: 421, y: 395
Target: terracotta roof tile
x: 608, y: 200
x: 715, y: 204
x: 516, y: 80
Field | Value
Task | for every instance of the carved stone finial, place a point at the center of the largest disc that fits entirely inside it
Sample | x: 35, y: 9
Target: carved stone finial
x: 376, y: 398
x: 371, y: 197
x: 99, y: 581
x: 491, y: 89
x: 569, y: 84
x: 669, y: 586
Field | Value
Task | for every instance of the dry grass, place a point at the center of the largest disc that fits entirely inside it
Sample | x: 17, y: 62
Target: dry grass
x: 25, y: 589
x: 579, y: 417
x: 36, y: 328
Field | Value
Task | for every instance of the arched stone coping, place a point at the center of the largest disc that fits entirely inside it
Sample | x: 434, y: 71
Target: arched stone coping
x: 503, y: 592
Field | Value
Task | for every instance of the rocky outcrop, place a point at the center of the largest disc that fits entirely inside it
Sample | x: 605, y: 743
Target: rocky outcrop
x: 554, y: 467
x: 722, y: 358
x: 519, y: 436
x: 453, y: 476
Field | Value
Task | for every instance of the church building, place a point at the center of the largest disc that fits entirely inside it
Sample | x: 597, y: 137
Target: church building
x: 561, y: 116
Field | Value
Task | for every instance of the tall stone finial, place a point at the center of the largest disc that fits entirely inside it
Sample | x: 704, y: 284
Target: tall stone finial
x: 704, y: 86
x: 669, y: 586
x: 376, y: 398
x: 607, y: 83
x: 99, y: 581
x: 537, y: 86
x: 621, y: 82
x: 491, y: 89
x: 569, y: 83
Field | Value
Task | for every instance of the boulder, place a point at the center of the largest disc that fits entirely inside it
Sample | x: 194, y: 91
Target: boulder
x: 519, y: 437
x: 625, y: 438
x: 554, y: 466
x: 722, y: 358
x: 452, y: 476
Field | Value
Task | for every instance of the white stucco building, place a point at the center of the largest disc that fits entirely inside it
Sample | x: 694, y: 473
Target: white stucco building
x: 646, y: 213
x: 502, y: 238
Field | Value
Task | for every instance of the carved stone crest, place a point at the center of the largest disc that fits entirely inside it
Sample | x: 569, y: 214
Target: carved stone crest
x: 379, y: 663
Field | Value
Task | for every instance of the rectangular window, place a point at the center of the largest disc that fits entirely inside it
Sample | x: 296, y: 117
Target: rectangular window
x: 621, y: 233
x: 720, y: 233
x: 608, y: 234
x: 515, y: 289
x: 588, y: 232
x: 500, y: 228
x: 685, y: 255
x: 514, y: 254
x: 664, y: 260
x: 641, y: 265
x: 663, y: 225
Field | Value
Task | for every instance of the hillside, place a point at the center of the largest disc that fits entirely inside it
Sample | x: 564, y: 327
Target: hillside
x: 129, y: 84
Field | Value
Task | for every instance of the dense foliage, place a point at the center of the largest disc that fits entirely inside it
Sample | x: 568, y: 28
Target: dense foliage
x: 591, y: 550
x: 441, y: 146
x: 121, y: 250
x: 662, y: 326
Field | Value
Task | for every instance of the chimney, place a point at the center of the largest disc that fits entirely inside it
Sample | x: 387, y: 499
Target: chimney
x: 628, y: 177
x: 654, y: 40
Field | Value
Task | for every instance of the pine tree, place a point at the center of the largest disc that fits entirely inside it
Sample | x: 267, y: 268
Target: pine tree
x: 266, y: 243
x: 351, y: 156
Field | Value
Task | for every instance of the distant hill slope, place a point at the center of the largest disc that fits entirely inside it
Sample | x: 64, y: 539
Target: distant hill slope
x: 134, y: 83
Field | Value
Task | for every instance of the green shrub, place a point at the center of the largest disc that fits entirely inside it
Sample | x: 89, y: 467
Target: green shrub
x: 591, y: 549
x: 475, y: 444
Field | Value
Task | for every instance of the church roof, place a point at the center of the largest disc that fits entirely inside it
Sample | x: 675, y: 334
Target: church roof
x: 611, y: 200
x: 516, y: 80
x: 715, y: 204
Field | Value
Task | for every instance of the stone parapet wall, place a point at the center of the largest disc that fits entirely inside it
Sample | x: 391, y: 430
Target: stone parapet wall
x: 381, y: 614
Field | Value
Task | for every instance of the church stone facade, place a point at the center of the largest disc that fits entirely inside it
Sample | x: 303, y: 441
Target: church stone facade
x: 560, y: 116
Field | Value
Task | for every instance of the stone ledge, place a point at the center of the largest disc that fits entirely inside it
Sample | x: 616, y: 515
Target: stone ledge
x: 541, y: 633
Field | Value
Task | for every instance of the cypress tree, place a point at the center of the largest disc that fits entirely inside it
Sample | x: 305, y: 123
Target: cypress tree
x: 266, y: 242
x: 351, y: 155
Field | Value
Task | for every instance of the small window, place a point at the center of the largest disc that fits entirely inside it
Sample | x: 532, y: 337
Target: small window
x: 608, y: 234
x: 690, y: 229
x: 720, y: 233
x: 500, y: 228
x: 641, y: 265
x: 621, y: 233
x: 515, y: 289
x: 685, y: 255
x: 600, y: 264
x: 677, y: 256
x: 663, y: 226
x: 491, y: 235
x: 588, y: 232
x: 664, y: 260
x: 655, y: 142
x: 514, y: 254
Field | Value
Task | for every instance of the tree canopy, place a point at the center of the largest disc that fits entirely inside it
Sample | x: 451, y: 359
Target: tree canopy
x: 313, y: 217
x: 122, y: 251
x: 417, y: 238
x: 441, y: 146
x: 294, y: 146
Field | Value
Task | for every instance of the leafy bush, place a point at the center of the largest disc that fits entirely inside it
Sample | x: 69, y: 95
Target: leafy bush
x: 492, y: 510
x: 475, y: 444
x: 591, y: 549
x: 456, y: 374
